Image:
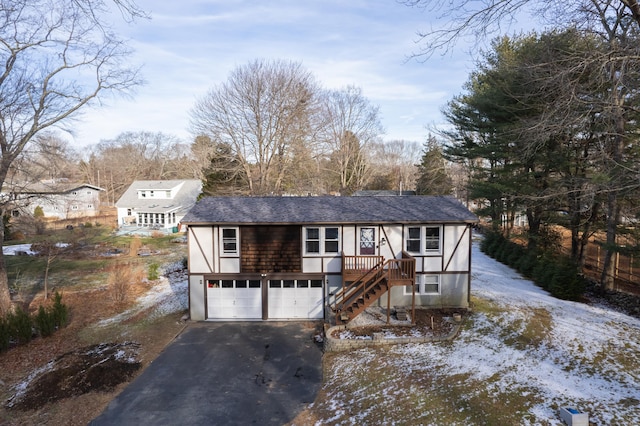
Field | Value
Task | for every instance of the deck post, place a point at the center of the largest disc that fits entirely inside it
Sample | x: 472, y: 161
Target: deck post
x: 388, y: 302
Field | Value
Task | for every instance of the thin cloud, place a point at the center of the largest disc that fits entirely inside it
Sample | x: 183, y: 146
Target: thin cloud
x: 189, y: 47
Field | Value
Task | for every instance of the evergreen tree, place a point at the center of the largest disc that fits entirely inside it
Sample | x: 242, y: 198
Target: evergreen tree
x: 224, y: 174
x: 432, y: 171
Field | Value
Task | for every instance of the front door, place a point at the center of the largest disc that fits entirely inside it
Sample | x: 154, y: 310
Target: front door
x: 367, y: 241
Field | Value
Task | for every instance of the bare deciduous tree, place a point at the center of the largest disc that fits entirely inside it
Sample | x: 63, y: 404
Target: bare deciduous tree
x: 262, y: 111
x: 484, y: 20
x: 115, y: 163
x: 57, y: 57
x: 352, y: 125
x: 397, y: 159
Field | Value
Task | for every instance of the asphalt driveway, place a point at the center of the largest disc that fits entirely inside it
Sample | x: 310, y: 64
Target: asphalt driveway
x: 261, y: 373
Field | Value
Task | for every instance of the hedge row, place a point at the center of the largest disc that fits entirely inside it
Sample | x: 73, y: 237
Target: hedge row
x: 19, y: 327
x: 553, y: 272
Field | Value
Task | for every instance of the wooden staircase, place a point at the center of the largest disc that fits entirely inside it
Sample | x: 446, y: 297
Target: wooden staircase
x: 357, y: 295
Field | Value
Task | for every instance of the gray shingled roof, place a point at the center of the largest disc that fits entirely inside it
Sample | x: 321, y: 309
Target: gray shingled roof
x: 183, y: 200
x: 334, y: 210
x: 54, y: 187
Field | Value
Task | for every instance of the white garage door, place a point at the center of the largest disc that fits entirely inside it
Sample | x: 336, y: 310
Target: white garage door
x: 234, y: 299
x: 290, y: 299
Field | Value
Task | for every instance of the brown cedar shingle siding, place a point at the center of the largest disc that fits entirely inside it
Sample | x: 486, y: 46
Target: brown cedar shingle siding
x: 270, y: 249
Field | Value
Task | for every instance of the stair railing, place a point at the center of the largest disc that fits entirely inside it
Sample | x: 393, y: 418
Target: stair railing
x: 358, y: 286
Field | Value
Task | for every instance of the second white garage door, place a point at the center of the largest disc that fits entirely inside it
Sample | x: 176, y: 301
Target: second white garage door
x: 289, y: 299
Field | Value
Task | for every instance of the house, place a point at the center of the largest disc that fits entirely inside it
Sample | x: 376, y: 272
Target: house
x: 58, y: 199
x: 255, y: 258
x: 157, y: 204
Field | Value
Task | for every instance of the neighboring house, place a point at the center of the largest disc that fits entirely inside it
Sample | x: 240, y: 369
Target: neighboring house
x: 292, y: 257
x: 61, y: 200
x: 158, y: 204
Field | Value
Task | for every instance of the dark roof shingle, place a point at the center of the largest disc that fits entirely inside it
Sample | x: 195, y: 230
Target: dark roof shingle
x: 333, y: 210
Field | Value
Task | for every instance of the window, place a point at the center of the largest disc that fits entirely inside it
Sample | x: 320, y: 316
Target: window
x: 88, y: 192
x: 432, y: 238
x: 413, y: 240
x: 331, y: 240
x: 321, y: 240
x: 424, y: 239
x: 230, y: 240
x: 168, y: 194
x: 143, y: 194
x: 312, y: 241
x: 425, y: 284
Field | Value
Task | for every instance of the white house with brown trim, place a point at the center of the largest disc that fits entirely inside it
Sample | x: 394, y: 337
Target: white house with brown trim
x: 264, y: 258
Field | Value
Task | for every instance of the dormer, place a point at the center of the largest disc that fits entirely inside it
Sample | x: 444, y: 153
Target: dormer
x: 158, y: 193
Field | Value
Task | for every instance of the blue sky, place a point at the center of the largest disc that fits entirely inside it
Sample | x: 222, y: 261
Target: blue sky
x: 191, y: 46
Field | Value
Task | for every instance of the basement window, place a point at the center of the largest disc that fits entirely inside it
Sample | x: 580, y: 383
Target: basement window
x: 425, y: 285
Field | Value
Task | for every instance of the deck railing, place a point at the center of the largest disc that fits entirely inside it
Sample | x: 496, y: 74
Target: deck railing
x: 364, y: 272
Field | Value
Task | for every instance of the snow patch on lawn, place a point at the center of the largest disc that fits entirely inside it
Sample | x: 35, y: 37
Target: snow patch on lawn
x: 168, y: 295
x: 586, y: 356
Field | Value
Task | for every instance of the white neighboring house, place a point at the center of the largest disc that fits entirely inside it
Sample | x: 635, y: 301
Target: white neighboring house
x: 61, y: 200
x: 158, y: 204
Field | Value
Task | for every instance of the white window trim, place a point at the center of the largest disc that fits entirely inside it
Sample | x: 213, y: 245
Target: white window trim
x: 322, y: 232
x: 420, y: 280
x: 221, y: 242
x: 423, y: 239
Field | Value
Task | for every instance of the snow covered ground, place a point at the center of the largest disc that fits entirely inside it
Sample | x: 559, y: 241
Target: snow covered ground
x: 169, y: 294
x: 520, y: 350
x: 17, y: 248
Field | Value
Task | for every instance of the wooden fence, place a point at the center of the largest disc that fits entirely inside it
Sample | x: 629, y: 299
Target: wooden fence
x: 626, y: 268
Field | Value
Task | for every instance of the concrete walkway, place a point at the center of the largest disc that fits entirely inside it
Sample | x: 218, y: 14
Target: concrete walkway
x: 261, y: 373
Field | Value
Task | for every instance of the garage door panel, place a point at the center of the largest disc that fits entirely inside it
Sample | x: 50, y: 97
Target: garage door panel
x: 294, y: 299
x: 231, y: 299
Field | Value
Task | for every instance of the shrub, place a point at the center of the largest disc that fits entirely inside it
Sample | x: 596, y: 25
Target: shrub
x: 59, y: 311
x: 527, y: 263
x: 566, y: 283
x: 152, y: 273
x: 121, y: 278
x: 20, y: 326
x: 543, y: 272
x: 492, y: 243
x: 44, y: 322
x: 5, y: 334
